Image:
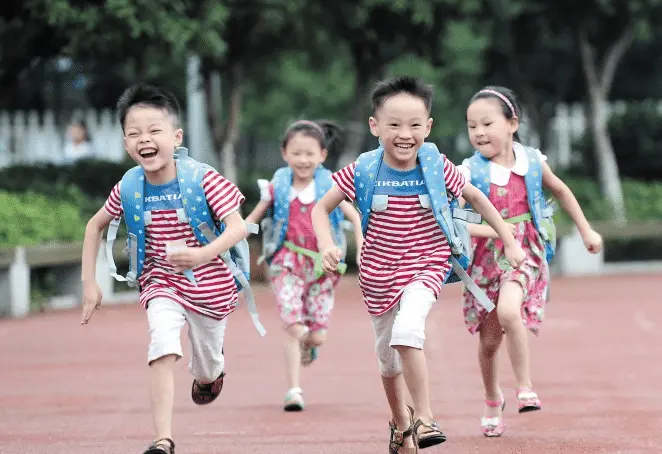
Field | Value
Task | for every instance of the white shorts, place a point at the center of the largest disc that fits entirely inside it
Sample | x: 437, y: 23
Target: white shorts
x: 166, y: 319
x: 403, y: 324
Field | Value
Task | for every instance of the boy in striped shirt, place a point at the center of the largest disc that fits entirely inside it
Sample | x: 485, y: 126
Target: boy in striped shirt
x: 149, y: 117
x: 405, y: 257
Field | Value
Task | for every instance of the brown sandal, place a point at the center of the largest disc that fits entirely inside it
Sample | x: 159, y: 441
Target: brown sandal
x: 398, y: 437
x: 431, y: 437
x: 158, y: 447
x: 206, y: 394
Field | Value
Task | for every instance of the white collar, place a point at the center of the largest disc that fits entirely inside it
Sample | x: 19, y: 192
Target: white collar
x: 305, y: 195
x: 500, y: 175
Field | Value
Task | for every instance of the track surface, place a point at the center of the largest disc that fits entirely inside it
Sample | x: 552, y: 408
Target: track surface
x: 70, y: 389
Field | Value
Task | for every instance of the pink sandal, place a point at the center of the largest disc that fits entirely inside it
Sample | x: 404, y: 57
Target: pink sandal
x: 527, y: 400
x: 493, y: 427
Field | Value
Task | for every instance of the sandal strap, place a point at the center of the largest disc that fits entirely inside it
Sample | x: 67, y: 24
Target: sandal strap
x: 495, y: 403
x: 159, y: 444
x: 168, y: 440
x: 398, y: 436
x: 433, y: 425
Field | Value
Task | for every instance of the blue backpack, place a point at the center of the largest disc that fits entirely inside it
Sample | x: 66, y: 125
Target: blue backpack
x: 452, y: 220
x: 542, y: 211
x: 195, y: 211
x: 274, y: 225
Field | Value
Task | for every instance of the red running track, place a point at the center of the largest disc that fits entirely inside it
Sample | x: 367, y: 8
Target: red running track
x: 70, y: 389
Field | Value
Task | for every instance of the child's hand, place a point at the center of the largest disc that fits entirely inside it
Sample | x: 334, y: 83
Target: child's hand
x: 91, y: 300
x: 515, y: 255
x: 592, y: 241
x: 188, y: 258
x: 359, y: 246
x: 330, y: 258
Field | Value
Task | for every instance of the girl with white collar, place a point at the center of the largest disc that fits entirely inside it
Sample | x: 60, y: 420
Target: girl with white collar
x: 513, y: 177
x: 304, y: 293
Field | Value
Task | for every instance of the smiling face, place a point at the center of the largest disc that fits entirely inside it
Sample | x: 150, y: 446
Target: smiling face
x: 490, y: 132
x: 150, y: 138
x: 402, y: 123
x: 304, y: 154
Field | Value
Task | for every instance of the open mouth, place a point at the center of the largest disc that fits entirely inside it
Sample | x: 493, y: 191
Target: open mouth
x: 404, y: 146
x: 148, y: 153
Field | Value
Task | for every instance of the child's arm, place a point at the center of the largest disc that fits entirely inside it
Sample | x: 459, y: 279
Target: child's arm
x: 482, y: 230
x: 189, y: 258
x: 354, y: 217
x: 485, y: 231
x: 482, y: 205
x: 592, y: 239
x: 93, y: 234
x: 258, y: 212
x: 322, y: 226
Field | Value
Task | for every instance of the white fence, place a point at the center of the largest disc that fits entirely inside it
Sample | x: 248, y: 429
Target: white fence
x: 28, y: 138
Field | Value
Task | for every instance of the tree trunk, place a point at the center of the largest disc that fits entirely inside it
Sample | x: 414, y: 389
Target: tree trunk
x: 225, y: 135
x: 356, y: 126
x: 228, y: 156
x: 358, y: 119
x: 608, y: 173
x: 598, y: 87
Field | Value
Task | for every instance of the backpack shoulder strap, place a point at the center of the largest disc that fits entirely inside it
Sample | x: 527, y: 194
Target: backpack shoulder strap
x: 365, y: 175
x: 480, y: 172
x: 132, y: 195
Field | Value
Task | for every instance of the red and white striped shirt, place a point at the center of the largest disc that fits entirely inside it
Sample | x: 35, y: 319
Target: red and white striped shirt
x: 216, y: 292
x: 403, y: 243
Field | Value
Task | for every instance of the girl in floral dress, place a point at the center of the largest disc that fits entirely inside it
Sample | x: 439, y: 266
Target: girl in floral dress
x: 519, y: 294
x: 304, y: 293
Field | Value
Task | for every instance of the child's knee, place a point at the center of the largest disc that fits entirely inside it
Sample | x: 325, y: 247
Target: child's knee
x: 316, y: 338
x: 296, y: 330
x: 389, y: 363
x: 508, y: 317
x: 490, y: 344
x: 388, y: 358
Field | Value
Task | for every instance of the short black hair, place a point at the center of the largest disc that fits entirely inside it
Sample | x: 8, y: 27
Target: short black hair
x: 489, y: 93
x: 329, y: 134
x: 147, y: 95
x: 413, y: 86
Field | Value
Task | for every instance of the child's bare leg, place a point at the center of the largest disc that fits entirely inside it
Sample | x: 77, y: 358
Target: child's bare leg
x: 491, y: 335
x: 394, y: 388
x: 316, y: 338
x: 508, y: 310
x: 415, y: 374
x: 390, y: 368
x: 162, y: 392
x: 408, y: 337
x: 294, y: 334
x: 166, y: 319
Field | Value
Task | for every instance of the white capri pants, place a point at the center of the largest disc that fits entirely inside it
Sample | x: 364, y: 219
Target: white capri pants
x: 166, y: 319
x: 403, y: 324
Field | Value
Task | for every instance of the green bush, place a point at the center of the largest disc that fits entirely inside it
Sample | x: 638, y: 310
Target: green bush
x: 643, y: 201
x: 94, y: 178
x: 30, y: 218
